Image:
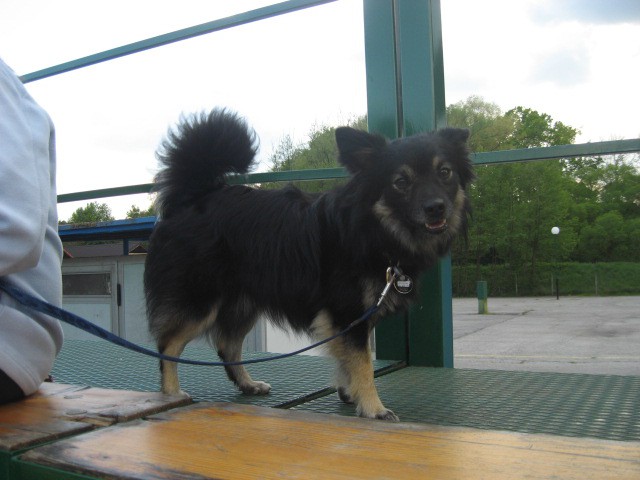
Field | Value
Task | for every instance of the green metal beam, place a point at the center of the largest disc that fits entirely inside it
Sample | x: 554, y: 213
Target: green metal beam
x: 561, y: 151
x: 179, y: 35
x: 506, y: 156
x: 105, y: 192
x: 251, y: 178
x: 289, y: 176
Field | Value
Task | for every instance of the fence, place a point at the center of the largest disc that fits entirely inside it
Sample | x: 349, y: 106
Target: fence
x: 615, y: 278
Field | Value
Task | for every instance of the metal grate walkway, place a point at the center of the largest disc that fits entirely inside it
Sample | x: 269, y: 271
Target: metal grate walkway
x: 293, y: 380
x: 577, y: 405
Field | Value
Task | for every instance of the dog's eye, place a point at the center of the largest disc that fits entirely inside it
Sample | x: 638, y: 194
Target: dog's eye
x: 445, y: 173
x: 401, y: 183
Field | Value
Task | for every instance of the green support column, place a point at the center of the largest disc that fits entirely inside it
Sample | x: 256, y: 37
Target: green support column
x: 384, y: 116
x: 405, y: 94
x: 383, y: 90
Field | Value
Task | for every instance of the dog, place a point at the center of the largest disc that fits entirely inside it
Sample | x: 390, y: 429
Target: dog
x: 221, y: 255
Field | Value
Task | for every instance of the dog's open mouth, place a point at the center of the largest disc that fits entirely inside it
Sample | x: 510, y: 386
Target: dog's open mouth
x: 437, y: 227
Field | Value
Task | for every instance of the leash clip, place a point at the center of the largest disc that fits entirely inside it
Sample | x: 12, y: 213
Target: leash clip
x: 392, y: 273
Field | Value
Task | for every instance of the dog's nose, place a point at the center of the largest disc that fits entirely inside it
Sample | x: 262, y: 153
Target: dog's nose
x: 434, y: 208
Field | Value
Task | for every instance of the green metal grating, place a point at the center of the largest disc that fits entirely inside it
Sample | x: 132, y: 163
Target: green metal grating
x: 576, y: 405
x: 104, y: 365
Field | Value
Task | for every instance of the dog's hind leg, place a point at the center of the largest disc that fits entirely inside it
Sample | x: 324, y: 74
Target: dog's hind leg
x: 236, y: 320
x: 230, y: 350
x: 173, y: 343
x: 173, y: 347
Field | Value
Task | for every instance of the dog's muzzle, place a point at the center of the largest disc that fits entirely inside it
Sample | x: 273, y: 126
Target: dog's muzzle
x: 435, y: 210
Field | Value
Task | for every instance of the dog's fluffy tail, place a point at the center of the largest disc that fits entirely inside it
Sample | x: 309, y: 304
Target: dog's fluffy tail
x: 197, y: 154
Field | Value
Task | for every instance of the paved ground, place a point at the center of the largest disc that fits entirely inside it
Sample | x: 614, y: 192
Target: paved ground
x: 599, y: 335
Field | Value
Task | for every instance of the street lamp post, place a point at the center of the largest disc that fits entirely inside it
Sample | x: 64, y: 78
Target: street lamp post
x: 556, y: 231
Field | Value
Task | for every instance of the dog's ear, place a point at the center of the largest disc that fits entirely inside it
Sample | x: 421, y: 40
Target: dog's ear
x: 457, y: 139
x: 456, y: 136
x: 358, y: 149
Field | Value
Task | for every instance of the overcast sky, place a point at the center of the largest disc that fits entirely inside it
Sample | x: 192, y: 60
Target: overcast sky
x: 576, y: 60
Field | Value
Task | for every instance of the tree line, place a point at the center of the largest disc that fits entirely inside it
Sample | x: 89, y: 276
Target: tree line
x: 595, y: 201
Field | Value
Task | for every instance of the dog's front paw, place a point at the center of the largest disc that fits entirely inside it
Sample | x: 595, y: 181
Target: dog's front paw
x: 382, y: 414
x: 255, y: 388
x: 177, y: 392
x: 387, y: 415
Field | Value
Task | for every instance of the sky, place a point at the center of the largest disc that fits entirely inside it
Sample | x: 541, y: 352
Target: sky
x: 576, y: 60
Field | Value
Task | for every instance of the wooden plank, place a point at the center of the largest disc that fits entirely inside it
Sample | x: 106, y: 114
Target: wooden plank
x: 235, y: 441
x: 59, y: 410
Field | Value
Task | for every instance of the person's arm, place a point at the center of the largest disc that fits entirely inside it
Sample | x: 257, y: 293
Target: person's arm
x: 24, y: 174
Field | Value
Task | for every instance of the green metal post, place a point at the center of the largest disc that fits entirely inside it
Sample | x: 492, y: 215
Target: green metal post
x: 405, y: 93
x: 483, y: 294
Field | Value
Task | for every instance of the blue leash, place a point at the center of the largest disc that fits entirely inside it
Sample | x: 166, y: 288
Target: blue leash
x: 41, y: 306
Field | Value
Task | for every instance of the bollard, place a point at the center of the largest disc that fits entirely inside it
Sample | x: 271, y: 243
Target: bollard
x: 481, y: 288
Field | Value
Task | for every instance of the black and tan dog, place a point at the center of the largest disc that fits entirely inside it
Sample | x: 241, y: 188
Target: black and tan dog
x: 221, y: 256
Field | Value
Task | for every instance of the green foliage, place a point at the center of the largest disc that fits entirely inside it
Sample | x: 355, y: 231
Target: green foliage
x: 610, y: 238
x: 489, y: 129
x: 594, y: 201
x: 318, y: 152
x: 135, y: 212
x: 515, y: 205
x: 620, y: 188
x: 93, y: 212
x: 533, y: 129
x: 605, y: 186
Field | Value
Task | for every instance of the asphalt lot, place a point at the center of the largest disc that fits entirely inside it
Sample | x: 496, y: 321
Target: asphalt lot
x: 597, y: 335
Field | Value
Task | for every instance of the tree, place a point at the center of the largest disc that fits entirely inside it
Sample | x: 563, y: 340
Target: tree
x: 632, y: 240
x: 543, y: 189
x: 533, y: 129
x: 135, y: 212
x: 93, y: 212
x: 515, y: 205
x: 320, y: 151
x: 584, y: 190
x: 620, y: 188
x: 610, y: 238
x: 489, y: 129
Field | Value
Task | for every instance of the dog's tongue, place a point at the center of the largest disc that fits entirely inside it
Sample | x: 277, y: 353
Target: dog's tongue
x: 437, y: 227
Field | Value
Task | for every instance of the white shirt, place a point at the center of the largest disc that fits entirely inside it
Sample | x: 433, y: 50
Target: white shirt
x: 30, y: 248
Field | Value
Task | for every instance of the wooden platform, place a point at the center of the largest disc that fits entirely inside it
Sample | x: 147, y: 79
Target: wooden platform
x: 224, y: 441
x: 57, y: 411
